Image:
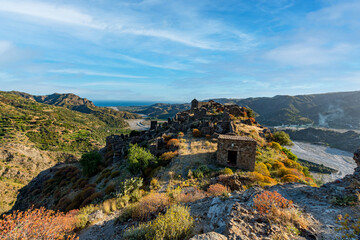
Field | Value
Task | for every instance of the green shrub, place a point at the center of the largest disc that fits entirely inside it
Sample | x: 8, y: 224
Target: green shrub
x: 154, y: 184
x: 130, y: 185
x: 115, y: 174
x: 175, y: 224
x: 83, y: 215
x: 201, y: 171
x: 110, y: 188
x: 345, y: 200
x: 289, y: 154
x: 139, y: 158
x: 262, y: 168
x: 350, y: 228
x: 196, y: 133
x: 90, y: 163
x: 283, y: 138
x: 227, y: 171
x: 276, y: 146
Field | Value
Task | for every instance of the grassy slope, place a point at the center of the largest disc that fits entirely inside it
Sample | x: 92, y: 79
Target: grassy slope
x: 34, y: 136
x: 51, y: 127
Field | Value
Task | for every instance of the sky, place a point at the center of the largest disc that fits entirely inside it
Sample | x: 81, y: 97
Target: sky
x: 174, y: 51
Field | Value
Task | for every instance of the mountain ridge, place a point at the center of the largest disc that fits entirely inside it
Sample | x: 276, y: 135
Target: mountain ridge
x: 335, y: 110
x: 83, y: 105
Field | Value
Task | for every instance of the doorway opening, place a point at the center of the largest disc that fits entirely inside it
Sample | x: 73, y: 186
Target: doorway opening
x: 232, y: 157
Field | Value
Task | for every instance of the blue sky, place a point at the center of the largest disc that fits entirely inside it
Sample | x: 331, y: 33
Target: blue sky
x: 173, y: 51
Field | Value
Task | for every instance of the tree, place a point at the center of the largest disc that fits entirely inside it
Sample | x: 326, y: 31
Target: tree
x: 90, y: 163
x: 283, y: 138
x: 140, y: 158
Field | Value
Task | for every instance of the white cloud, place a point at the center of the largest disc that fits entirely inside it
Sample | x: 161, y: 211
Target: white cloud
x: 192, y: 30
x: 172, y: 66
x: 4, y: 47
x: 183, y: 38
x: 58, y: 13
x: 92, y: 73
x: 344, y: 12
x: 300, y: 54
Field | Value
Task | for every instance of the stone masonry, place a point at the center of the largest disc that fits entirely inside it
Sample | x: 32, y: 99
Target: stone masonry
x: 236, y: 151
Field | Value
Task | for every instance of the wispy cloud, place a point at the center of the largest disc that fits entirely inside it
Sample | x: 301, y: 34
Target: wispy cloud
x: 182, y: 38
x: 172, y: 66
x: 4, y: 46
x: 128, y: 24
x: 92, y: 73
x: 308, y: 54
x: 179, y: 49
x: 53, y: 12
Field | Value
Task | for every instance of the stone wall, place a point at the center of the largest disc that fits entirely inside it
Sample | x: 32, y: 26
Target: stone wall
x: 245, y: 149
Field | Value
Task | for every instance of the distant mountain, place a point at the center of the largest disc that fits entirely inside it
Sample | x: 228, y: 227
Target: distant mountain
x: 333, y: 110
x: 158, y: 110
x: 83, y: 105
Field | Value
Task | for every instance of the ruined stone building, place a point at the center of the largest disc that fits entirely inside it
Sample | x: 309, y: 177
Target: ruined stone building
x: 236, y: 151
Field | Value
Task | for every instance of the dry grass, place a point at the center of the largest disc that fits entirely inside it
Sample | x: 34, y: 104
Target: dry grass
x: 109, y: 206
x: 251, y: 131
x: 192, y: 196
x: 192, y: 152
x: 217, y: 189
x: 38, y: 224
x: 278, y: 210
x: 150, y: 205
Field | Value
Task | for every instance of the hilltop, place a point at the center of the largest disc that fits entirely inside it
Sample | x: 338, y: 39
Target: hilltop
x: 35, y: 136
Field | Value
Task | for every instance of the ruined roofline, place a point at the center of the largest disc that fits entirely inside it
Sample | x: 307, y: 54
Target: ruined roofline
x: 234, y: 137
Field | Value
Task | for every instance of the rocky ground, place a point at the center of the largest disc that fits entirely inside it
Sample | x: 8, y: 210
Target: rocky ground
x: 220, y: 218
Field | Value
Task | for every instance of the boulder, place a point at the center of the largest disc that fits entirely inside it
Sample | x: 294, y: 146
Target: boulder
x: 209, y: 236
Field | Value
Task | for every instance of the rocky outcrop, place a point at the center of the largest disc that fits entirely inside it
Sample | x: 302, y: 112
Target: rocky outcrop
x: 357, y: 157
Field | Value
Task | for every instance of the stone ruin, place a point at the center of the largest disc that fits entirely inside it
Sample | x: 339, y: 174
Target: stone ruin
x: 211, y: 118
x: 236, y: 151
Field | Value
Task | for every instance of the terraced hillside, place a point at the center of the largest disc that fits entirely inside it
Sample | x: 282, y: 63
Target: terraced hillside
x: 83, y: 105
x: 35, y: 136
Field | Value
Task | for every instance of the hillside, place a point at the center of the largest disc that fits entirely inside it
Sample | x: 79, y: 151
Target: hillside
x: 333, y: 110
x: 175, y: 164
x: 35, y: 136
x: 170, y: 183
x: 83, y: 105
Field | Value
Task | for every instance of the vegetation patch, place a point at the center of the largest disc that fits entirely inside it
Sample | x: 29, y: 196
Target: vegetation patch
x: 175, y: 224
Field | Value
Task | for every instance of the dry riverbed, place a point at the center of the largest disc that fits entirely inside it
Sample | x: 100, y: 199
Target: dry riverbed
x: 334, y: 158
